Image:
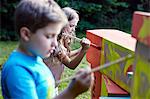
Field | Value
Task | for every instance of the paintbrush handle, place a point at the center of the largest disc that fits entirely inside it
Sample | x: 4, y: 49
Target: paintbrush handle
x: 95, y: 46
x: 111, y: 63
x: 100, y: 67
x: 78, y: 39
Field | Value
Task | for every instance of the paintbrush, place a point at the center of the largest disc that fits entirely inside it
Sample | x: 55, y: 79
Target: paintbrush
x: 78, y: 39
x: 101, y: 67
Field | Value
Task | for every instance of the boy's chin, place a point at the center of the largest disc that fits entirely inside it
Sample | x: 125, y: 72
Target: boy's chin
x: 46, y: 56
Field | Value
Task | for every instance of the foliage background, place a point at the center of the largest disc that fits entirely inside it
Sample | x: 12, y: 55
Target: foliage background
x: 93, y: 14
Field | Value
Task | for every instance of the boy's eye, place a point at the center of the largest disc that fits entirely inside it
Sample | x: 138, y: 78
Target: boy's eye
x: 49, y: 36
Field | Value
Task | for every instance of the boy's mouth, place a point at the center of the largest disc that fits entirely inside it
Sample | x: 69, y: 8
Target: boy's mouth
x: 52, y: 50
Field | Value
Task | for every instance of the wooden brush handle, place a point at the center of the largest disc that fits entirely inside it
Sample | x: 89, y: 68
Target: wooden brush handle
x: 101, y: 67
x: 78, y: 39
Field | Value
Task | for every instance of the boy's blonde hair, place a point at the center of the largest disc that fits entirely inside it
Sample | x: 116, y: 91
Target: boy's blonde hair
x: 36, y: 14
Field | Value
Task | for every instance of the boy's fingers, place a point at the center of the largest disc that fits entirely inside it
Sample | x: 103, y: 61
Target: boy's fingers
x: 84, y: 74
x: 88, y: 68
x: 88, y: 80
x: 80, y: 71
x: 92, y: 78
x: 85, y: 71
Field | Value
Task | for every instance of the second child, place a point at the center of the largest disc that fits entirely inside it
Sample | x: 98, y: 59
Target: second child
x: 63, y: 55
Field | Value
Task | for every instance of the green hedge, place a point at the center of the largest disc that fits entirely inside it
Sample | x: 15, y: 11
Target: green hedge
x: 93, y: 14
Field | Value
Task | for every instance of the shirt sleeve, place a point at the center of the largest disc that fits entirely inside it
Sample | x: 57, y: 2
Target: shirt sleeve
x: 21, y: 84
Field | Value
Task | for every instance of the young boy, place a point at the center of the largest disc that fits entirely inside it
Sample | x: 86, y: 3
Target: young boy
x: 24, y: 75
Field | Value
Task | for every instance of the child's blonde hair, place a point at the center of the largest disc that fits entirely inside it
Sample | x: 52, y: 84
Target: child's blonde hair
x: 71, y: 15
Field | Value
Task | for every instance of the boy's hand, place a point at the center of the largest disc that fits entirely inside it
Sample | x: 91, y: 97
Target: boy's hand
x: 85, y: 43
x: 81, y: 83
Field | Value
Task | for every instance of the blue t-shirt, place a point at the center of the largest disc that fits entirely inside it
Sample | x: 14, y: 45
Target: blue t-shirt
x: 26, y: 77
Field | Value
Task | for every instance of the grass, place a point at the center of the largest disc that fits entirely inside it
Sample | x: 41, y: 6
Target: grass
x: 5, y: 50
x: 7, y: 47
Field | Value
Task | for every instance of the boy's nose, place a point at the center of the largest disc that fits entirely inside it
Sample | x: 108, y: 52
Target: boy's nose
x: 54, y: 42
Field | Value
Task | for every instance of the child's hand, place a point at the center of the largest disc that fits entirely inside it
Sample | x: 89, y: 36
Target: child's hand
x: 85, y: 43
x: 66, y: 29
x: 81, y: 83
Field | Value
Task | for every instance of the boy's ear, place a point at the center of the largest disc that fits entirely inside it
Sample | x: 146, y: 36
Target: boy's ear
x: 25, y: 33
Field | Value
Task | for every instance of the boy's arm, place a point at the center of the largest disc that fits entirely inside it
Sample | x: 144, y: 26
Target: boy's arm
x: 65, y: 95
x: 80, y: 84
x: 20, y: 84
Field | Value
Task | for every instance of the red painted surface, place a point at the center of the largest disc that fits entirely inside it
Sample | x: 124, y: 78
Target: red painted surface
x: 130, y: 69
x: 96, y: 90
x: 113, y: 88
x: 93, y: 57
x: 137, y: 23
x: 93, y: 54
